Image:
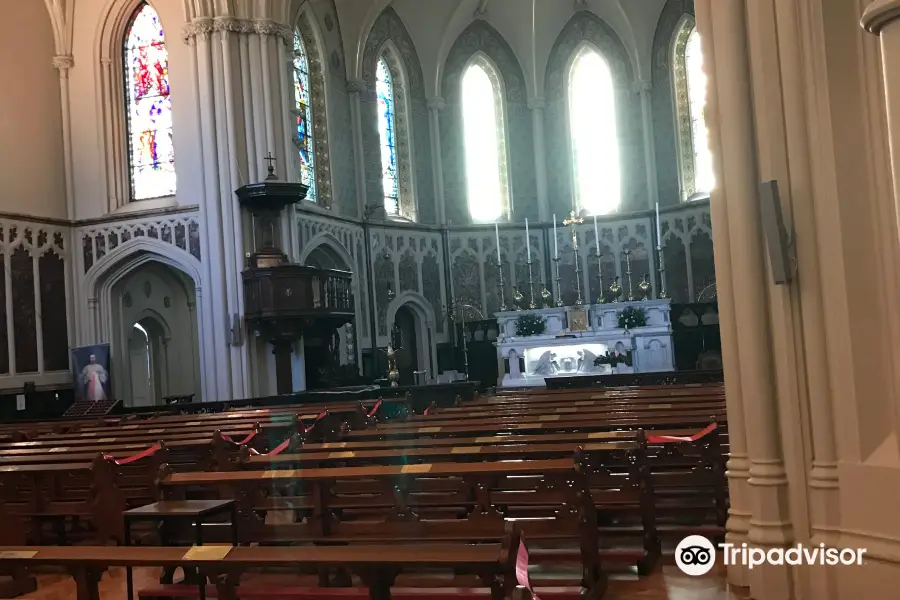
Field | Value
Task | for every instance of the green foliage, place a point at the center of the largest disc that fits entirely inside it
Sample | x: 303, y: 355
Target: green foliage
x: 613, y: 358
x: 631, y: 317
x: 530, y: 325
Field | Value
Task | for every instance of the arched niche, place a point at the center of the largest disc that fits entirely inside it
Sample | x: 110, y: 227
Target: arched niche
x: 424, y: 320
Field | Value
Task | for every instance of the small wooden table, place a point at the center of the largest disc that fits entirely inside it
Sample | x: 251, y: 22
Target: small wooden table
x: 169, y: 511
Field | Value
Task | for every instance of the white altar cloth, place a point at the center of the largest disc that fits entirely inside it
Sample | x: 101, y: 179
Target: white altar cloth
x: 561, y: 351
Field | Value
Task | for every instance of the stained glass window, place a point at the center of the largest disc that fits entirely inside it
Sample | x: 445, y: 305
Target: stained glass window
x: 595, y: 140
x: 485, y: 142
x: 387, y: 126
x: 303, y: 115
x: 696, y: 88
x: 151, y: 153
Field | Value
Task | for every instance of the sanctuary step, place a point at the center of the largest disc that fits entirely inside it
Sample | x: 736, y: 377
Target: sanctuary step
x: 90, y: 408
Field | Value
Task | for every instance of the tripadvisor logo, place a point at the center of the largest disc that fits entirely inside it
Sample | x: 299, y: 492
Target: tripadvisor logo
x: 696, y: 555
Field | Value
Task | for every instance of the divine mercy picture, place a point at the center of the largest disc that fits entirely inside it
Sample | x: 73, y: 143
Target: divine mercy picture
x: 90, y: 372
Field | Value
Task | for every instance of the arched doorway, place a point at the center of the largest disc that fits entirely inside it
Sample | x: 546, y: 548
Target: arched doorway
x: 155, y: 352
x: 329, y: 356
x: 140, y: 366
x: 407, y: 344
x: 411, y: 323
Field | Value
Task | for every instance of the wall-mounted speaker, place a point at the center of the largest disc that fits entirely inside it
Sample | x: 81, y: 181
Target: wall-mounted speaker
x: 778, y: 240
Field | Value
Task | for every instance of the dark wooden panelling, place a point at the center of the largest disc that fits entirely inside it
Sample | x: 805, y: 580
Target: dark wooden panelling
x: 4, y: 330
x: 55, y: 336
x: 25, y: 319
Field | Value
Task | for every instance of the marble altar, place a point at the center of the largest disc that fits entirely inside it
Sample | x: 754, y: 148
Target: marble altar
x: 570, y: 342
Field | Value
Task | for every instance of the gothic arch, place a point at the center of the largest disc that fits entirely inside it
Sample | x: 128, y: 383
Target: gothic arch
x: 308, y: 28
x: 388, y: 36
x: 173, y: 255
x: 586, y: 27
x: 95, y: 298
x: 332, y: 243
x: 425, y: 326
x: 665, y: 138
x: 108, y: 61
x: 481, y: 38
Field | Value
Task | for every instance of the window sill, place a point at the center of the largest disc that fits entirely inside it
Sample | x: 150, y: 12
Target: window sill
x: 145, y: 205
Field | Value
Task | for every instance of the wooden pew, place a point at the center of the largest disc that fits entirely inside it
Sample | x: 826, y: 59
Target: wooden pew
x: 547, y: 423
x: 440, y: 501
x: 687, y: 479
x: 93, y: 494
x: 377, y: 566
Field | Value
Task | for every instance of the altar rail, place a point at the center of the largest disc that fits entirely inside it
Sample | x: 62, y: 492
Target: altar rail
x: 634, y: 380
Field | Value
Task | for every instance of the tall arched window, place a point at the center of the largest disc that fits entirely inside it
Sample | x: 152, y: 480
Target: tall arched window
x: 151, y: 155
x: 695, y: 159
x: 387, y: 131
x: 595, y: 140
x: 303, y: 114
x: 485, y: 141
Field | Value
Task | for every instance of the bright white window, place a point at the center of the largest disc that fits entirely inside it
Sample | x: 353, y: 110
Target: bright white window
x: 689, y: 78
x: 595, y: 140
x: 485, y: 141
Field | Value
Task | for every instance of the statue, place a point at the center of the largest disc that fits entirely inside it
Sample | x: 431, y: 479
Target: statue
x: 393, y: 373
x: 546, y: 364
x: 586, y: 360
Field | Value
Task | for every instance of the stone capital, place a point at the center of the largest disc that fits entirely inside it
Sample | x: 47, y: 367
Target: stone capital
x: 878, y: 14
x: 202, y: 26
x: 436, y: 103
x: 63, y: 62
x: 357, y: 86
x: 537, y: 103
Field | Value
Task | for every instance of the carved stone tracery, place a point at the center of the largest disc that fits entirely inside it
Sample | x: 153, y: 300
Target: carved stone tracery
x: 317, y: 98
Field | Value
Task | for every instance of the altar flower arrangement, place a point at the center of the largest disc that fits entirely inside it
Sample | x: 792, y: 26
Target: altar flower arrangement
x: 530, y: 325
x: 613, y: 359
x: 631, y: 317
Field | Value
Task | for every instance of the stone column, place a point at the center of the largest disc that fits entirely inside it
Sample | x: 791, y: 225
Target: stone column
x: 356, y: 88
x: 435, y: 106
x: 789, y: 162
x: 241, y: 114
x: 882, y: 17
x: 643, y: 88
x: 748, y: 353
x: 537, y: 106
x: 63, y: 64
x: 738, y: 467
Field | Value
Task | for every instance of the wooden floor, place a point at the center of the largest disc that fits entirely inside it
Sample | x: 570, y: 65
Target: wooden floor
x: 666, y: 583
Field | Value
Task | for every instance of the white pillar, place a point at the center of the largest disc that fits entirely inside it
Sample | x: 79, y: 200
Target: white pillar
x: 737, y: 527
x: 435, y: 106
x: 355, y: 89
x: 770, y: 523
x: 538, y: 105
x: 236, y: 120
x: 643, y: 89
x: 63, y: 64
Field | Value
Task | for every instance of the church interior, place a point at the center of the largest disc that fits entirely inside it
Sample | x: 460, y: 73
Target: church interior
x: 514, y: 299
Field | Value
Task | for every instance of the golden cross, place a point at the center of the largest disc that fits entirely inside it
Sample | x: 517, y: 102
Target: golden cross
x: 573, y: 220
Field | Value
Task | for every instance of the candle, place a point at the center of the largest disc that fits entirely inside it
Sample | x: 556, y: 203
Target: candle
x: 555, y: 242
x: 497, y: 234
x: 596, y: 236
x: 527, y: 240
x: 658, y: 227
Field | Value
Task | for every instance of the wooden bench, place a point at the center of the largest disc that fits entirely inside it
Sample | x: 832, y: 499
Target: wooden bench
x: 377, y: 566
x: 440, y: 501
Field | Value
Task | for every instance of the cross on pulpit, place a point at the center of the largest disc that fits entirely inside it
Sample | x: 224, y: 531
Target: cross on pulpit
x: 271, y: 168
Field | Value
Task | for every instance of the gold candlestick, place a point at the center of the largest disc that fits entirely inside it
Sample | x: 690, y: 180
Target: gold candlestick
x: 573, y: 221
x: 628, y: 273
x: 644, y: 286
